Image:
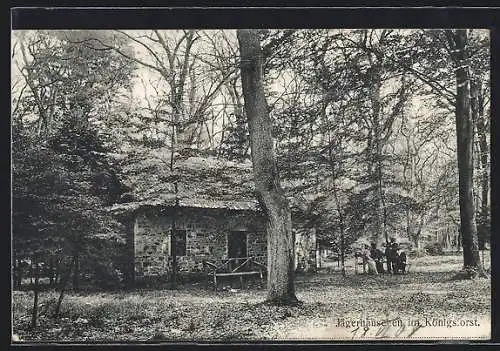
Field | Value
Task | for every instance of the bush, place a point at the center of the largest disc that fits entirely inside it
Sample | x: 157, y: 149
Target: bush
x: 107, y: 277
x: 434, y: 249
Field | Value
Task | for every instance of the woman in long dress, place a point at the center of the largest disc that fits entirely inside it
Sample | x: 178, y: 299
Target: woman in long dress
x: 369, y: 261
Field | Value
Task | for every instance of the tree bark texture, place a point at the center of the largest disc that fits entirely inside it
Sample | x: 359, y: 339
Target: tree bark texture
x: 479, y: 119
x: 375, y: 97
x: 465, y: 142
x: 280, y: 238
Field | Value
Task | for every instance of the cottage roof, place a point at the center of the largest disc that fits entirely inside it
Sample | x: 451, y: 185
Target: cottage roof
x: 196, y: 203
x: 203, y: 182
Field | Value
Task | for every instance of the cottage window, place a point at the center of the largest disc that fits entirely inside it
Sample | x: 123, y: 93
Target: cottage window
x: 180, y: 242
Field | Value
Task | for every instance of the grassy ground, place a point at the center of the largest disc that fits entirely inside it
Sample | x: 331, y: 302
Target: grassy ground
x: 428, y: 293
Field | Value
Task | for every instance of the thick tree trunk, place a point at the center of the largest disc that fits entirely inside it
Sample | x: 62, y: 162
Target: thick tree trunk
x: 380, y: 219
x: 465, y: 138
x: 477, y: 110
x: 280, y: 238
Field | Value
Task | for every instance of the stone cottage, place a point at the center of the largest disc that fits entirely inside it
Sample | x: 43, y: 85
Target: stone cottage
x: 216, y: 217
x: 205, y: 230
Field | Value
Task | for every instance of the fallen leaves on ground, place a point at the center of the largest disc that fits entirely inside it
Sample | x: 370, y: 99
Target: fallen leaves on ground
x: 196, y: 314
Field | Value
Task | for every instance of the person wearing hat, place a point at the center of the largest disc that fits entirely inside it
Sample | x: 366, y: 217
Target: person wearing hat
x: 400, y: 264
x: 390, y: 255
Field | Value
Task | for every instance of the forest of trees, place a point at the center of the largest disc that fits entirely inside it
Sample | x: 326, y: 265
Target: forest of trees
x: 362, y: 126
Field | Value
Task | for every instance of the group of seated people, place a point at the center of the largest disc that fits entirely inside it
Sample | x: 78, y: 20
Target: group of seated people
x: 394, y: 255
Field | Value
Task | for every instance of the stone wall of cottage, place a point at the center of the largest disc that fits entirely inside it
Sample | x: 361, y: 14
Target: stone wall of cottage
x: 206, y: 238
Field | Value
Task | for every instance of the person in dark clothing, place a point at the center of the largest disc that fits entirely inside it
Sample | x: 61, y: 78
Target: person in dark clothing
x: 400, y: 266
x: 377, y: 256
x: 388, y: 258
x: 390, y: 255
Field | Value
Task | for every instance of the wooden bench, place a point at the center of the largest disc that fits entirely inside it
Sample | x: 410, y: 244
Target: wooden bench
x: 249, y: 267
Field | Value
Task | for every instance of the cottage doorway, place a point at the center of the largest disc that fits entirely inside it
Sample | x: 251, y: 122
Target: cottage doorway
x: 237, y: 244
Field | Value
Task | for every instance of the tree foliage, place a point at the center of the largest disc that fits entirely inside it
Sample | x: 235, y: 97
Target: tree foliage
x: 362, y: 123
x: 63, y: 176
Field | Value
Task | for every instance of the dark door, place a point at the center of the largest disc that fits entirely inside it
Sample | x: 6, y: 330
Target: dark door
x: 237, y: 244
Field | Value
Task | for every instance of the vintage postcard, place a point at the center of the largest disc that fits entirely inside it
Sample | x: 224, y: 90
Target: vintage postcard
x: 228, y: 185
